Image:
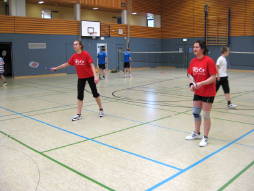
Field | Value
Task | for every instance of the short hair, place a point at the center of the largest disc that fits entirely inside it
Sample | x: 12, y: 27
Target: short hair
x: 224, y: 49
x: 203, y: 46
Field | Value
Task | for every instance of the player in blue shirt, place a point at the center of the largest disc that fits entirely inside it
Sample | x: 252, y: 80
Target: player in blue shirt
x: 102, y: 61
x: 127, y: 60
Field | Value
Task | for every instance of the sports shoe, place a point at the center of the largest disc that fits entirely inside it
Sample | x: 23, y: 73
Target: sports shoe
x: 5, y: 84
x: 101, y: 113
x: 76, y: 117
x: 232, y: 106
x: 203, y: 142
x: 193, y: 136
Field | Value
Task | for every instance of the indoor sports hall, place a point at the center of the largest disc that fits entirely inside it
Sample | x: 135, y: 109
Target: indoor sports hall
x: 126, y: 95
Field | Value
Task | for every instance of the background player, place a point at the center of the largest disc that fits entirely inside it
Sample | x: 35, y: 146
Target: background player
x: 2, y: 72
x: 102, y: 61
x: 222, y: 79
x: 127, y: 63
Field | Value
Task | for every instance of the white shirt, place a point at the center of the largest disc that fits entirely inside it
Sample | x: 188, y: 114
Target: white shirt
x: 222, y: 63
x: 1, y: 65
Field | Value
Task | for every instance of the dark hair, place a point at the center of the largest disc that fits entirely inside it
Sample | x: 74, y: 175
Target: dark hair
x: 80, y: 43
x: 224, y: 49
x: 203, y: 46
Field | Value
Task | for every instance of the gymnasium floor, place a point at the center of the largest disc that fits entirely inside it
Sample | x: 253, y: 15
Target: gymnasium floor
x: 139, y: 144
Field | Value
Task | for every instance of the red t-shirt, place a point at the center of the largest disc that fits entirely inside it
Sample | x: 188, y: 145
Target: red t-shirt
x: 202, y: 69
x: 82, y: 63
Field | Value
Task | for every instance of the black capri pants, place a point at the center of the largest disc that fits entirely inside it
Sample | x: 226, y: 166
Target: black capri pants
x: 81, y: 88
x: 224, y: 83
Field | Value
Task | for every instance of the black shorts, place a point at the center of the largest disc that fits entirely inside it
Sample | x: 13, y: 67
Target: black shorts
x: 224, y: 83
x: 203, y: 99
x: 126, y: 65
x: 102, y: 66
x: 81, y: 87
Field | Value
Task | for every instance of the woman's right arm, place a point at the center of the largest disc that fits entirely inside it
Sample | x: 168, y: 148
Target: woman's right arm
x: 66, y: 64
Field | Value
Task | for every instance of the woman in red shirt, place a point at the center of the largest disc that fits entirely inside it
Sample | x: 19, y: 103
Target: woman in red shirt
x: 203, y: 70
x: 85, y: 69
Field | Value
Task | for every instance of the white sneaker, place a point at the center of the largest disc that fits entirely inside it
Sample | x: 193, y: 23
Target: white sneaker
x: 101, y: 113
x: 232, y: 106
x: 5, y: 84
x: 203, y: 142
x: 193, y: 136
x: 76, y: 117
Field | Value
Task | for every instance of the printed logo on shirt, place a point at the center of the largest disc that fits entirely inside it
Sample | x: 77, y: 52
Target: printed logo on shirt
x: 79, y: 62
x: 199, y: 71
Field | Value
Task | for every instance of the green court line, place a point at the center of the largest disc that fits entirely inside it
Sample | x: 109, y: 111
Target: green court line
x: 64, y: 146
x: 236, y: 176
x: 114, y: 132
x: 57, y: 162
x: 229, y: 120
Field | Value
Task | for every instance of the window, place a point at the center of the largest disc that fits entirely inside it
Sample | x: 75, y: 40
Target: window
x: 150, y: 20
x: 46, y: 14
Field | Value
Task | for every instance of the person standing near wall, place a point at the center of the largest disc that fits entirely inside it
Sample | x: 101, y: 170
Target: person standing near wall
x: 102, y: 61
x: 85, y: 69
x: 222, y: 78
x: 127, y: 63
x: 2, y: 72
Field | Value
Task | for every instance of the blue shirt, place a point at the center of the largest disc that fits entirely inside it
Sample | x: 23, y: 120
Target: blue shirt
x: 102, y: 57
x: 127, y: 56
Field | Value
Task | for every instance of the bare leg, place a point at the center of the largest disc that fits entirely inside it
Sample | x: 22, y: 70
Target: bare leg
x: 125, y: 72
x: 207, y: 122
x: 79, y: 106
x: 98, y: 101
x: 104, y: 73
x: 3, y: 78
x: 197, y: 122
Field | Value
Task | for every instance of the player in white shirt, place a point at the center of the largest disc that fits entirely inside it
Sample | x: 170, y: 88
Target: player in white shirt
x: 222, y: 78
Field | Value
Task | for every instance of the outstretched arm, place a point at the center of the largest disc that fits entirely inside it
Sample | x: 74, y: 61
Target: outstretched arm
x: 66, y: 64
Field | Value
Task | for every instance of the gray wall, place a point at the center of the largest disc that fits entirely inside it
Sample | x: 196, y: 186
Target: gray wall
x: 59, y: 49
x: 236, y: 61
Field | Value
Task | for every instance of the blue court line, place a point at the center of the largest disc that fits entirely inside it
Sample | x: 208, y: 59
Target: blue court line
x: 200, y: 161
x: 95, y: 141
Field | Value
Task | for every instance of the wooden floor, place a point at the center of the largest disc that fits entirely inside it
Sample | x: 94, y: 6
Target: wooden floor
x: 138, y: 145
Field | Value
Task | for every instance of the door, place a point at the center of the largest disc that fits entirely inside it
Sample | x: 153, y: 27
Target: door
x: 6, y: 54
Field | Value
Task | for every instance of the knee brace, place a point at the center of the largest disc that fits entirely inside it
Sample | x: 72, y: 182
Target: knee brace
x: 196, y: 113
x: 206, y: 115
